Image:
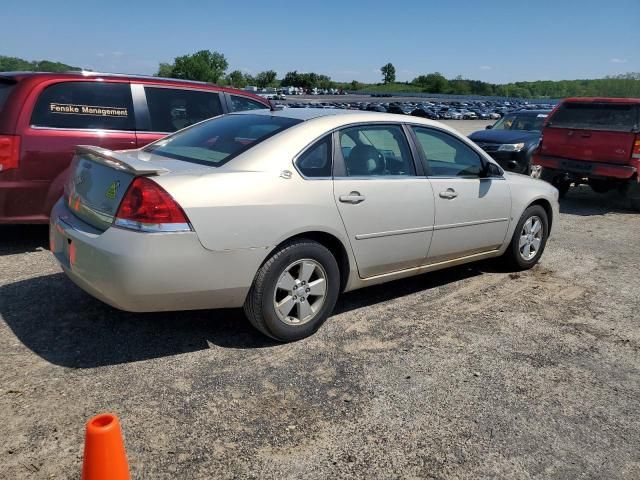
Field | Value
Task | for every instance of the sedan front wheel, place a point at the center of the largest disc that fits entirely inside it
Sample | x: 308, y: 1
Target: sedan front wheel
x: 529, y: 238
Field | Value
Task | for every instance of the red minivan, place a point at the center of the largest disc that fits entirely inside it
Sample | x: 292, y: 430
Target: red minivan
x: 43, y: 116
x: 595, y: 141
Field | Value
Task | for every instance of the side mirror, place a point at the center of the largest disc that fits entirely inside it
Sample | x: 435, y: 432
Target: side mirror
x: 488, y: 127
x: 490, y: 170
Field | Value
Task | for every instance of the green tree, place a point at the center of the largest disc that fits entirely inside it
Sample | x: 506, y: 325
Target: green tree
x: 292, y: 79
x: 237, y: 79
x: 388, y: 73
x: 12, y: 64
x: 205, y: 65
x: 266, y: 78
x: 165, y: 70
x: 432, y: 82
x: 355, y: 85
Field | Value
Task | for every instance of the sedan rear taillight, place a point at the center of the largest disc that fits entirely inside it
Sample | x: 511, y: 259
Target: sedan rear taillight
x: 9, y: 152
x: 147, y: 207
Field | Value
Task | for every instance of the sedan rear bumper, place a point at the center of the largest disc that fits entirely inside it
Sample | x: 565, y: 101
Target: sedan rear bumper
x: 145, y: 272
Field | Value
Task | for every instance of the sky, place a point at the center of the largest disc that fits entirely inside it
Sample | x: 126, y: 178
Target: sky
x: 491, y: 40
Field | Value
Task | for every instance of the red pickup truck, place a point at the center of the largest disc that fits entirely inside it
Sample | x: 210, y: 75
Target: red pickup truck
x: 595, y: 141
x: 43, y: 116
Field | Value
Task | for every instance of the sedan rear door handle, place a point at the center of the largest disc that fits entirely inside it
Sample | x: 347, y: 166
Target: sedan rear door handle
x: 353, y: 197
x: 449, y: 194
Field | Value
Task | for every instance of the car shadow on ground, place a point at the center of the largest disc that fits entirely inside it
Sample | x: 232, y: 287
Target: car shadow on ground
x: 67, y: 327
x: 583, y: 201
x: 15, y: 239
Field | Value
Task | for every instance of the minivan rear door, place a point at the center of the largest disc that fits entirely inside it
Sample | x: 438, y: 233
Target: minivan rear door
x: 592, y: 132
x: 162, y: 110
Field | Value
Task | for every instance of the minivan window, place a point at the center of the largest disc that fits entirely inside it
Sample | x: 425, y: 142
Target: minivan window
x: 172, y: 109
x: 617, y: 117
x: 5, y: 90
x: 240, y: 103
x: 220, y: 139
x: 85, y: 105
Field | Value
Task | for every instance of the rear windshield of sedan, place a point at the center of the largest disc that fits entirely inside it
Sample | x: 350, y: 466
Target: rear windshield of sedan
x: 218, y: 140
x: 617, y: 117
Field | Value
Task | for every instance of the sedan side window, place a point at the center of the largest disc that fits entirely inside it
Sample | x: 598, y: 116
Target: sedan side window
x: 373, y: 150
x: 316, y: 161
x: 446, y: 155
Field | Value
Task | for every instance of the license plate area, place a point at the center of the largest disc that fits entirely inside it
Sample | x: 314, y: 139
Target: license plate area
x: 62, y: 246
x: 582, y: 167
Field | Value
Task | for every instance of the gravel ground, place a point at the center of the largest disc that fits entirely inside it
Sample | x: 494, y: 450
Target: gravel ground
x: 473, y: 372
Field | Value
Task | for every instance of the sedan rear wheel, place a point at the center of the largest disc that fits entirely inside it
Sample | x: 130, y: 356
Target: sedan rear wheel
x: 294, y: 291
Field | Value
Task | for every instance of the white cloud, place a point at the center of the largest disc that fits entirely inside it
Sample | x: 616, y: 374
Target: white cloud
x: 117, y: 54
x: 485, y: 67
x: 100, y: 54
x: 619, y: 60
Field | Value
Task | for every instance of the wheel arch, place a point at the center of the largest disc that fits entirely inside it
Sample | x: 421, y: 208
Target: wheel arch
x: 329, y: 241
x: 547, y: 208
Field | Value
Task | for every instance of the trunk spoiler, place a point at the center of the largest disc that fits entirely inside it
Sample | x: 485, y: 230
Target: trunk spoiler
x: 119, y: 161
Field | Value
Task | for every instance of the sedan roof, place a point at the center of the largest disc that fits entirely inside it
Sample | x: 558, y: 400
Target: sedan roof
x: 302, y: 113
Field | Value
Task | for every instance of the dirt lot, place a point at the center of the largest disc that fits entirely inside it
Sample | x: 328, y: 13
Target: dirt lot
x: 474, y: 372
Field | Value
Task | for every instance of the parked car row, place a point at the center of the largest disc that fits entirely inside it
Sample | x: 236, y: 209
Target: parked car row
x: 456, y: 110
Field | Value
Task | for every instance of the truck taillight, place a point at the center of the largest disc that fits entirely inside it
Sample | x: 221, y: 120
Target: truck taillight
x: 147, y: 207
x: 9, y: 152
x: 636, y: 149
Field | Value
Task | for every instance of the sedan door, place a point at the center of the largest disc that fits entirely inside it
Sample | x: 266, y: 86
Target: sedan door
x: 386, y: 208
x: 472, y: 211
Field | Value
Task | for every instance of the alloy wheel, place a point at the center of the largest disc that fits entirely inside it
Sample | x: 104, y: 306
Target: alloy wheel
x: 530, y: 238
x: 300, y: 292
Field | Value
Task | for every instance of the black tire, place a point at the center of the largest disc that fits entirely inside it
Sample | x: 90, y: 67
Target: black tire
x: 633, y: 194
x: 601, y: 186
x: 555, y: 178
x: 512, y: 255
x: 259, y: 306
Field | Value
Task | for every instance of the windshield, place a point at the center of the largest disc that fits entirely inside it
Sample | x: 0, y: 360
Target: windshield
x: 216, y: 141
x: 515, y: 121
x: 597, y: 116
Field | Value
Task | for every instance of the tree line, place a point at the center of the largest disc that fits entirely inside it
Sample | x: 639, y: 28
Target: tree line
x: 210, y: 66
x: 15, y: 64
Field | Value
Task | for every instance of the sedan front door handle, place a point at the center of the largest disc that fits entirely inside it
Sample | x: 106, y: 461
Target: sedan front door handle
x: 353, y: 197
x: 449, y: 194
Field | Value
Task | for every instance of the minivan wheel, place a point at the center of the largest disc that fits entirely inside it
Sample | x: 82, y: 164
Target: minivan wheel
x: 529, y: 239
x: 294, y: 291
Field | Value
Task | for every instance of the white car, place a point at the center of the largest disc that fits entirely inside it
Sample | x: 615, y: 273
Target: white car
x: 280, y: 211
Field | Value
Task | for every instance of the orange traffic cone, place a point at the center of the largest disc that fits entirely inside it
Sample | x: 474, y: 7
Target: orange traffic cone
x: 104, y: 455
